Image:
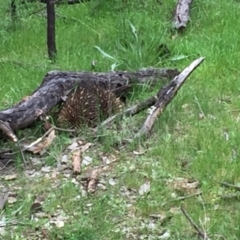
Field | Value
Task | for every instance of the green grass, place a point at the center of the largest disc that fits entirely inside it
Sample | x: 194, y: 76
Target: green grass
x: 182, y: 143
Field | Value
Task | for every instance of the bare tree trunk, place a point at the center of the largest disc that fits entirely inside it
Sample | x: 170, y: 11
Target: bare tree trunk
x: 13, y: 12
x: 51, y: 44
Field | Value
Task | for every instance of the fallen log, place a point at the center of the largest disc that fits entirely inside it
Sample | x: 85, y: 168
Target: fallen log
x: 57, y: 84
x: 181, y: 16
x: 159, y: 103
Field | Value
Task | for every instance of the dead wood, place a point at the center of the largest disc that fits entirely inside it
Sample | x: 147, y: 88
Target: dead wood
x: 181, y: 198
x: 230, y: 197
x: 129, y: 112
x: 181, y: 15
x: 165, y: 95
x: 57, y: 84
x: 229, y: 185
x: 201, y: 233
x: 51, y: 42
x: 76, y: 161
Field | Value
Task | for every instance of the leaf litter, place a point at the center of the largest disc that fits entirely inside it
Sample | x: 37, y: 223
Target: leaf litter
x: 77, y: 165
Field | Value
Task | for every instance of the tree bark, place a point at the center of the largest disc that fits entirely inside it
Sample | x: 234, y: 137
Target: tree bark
x: 56, y: 85
x: 13, y: 12
x: 51, y: 43
x: 181, y: 16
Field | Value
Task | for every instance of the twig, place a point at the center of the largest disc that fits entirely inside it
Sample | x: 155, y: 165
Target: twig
x: 229, y: 185
x: 230, y: 197
x: 5, y: 127
x: 181, y: 198
x: 202, y: 234
x: 129, y: 112
x: 38, y: 140
x: 22, y: 154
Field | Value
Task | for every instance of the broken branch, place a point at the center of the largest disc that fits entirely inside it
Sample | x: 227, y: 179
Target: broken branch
x: 165, y: 95
x: 229, y: 185
x: 202, y: 234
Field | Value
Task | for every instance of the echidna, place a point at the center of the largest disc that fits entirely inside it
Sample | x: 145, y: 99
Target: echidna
x: 88, y: 104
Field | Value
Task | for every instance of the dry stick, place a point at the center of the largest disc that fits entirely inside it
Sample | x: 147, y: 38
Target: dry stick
x: 165, y: 95
x: 230, y: 197
x: 202, y: 234
x: 181, y: 198
x: 229, y: 185
x: 29, y: 146
x: 39, y: 139
x: 35, y: 142
x: 129, y: 112
x: 5, y: 127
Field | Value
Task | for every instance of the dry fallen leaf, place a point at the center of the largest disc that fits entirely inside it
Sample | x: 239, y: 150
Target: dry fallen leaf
x: 144, y: 188
x: 10, y: 177
x: 3, y: 200
x: 93, y: 180
x: 64, y: 159
x: 86, y: 160
x: 41, y: 144
x: 78, y: 144
x: 73, y: 146
x: 58, y: 219
x: 76, y: 162
x: 139, y: 153
x: 2, y: 227
x: 59, y: 223
x: 85, y: 147
x: 46, y: 169
x: 112, y: 181
x: 185, y: 184
x: 11, y: 200
x: 165, y: 235
x: 37, y: 204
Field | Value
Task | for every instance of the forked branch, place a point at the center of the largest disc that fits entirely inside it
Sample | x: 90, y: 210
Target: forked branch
x: 165, y: 95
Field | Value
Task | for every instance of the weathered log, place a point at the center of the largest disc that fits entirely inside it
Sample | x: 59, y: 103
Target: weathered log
x: 57, y: 84
x: 181, y: 16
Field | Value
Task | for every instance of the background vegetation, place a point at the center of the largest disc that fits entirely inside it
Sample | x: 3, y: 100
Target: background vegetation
x: 196, y: 138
